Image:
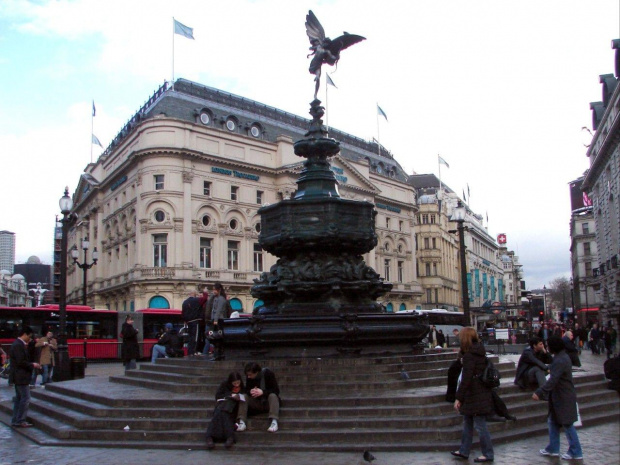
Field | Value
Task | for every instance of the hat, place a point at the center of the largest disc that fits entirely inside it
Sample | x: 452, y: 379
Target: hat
x: 168, y: 325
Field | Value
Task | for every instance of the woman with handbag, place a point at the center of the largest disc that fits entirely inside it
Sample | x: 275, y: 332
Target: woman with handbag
x: 227, y: 397
x: 473, y: 400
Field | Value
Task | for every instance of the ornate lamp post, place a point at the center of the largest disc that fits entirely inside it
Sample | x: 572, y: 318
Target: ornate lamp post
x: 545, y: 303
x: 62, y: 372
x: 458, y: 215
x: 85, y: 266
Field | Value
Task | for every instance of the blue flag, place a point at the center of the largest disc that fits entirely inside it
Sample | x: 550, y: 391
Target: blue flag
x: 330, y: 82
x: 94, y: 109
x: 183, y: 30
x: 381, y: 112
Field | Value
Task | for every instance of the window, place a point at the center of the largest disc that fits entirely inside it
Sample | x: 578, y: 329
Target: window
x: 206, y: 221
x: 588, y: 266
x: 205, y: 252
x: 234, y: 224
x: 436, y: 295
x: 206, y: 188
x: 400, y: 225
x: 258, y: 257
x: 586, y: 228
x: 386, y: 247
x: 205, y: 117
x: 429, y: 296
x: 586, y: 248
x: 428, y: 269
x: 257, y: 227
x: 426, y: 243
x: 387, y: 223
x: 386, y: 269
x: 434, y: 242
x: 424, y: 219
x: 234, y: 192
x: 255, y: 130
x: 432, y: 219
x: 259, y: 197
x: 231, y: 124
x: 159, y: 182
x: 434, y: 269
x: 160, y: 250
x: 233, y: 255
x: 400, y: 248
x: 401, y: 271
x: 160, y: 216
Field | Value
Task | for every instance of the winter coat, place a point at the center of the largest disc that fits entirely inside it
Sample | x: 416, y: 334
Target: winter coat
x: 192, y: 309
x: 560, y: 390
x: 218, y: 308
x: 474, y: 397
x: 21, y: 364
x: 130, y: 349
x: 530, y: 358
x: 172, y: 342
x: 265, y: 380
x: 46, y: 356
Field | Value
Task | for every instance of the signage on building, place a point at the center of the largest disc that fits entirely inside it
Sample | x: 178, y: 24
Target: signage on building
x: 339, y: 174
x: 236, y: 174
x: 501, y: 238
x: 387, y: 207
x: 115, y: 185
x: 578, y: 198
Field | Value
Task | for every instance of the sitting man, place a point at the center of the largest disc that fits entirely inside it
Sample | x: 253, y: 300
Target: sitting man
x: 571, y: 349
x: 532, y: 367
x: 263, y: 395
x: 169, y: 344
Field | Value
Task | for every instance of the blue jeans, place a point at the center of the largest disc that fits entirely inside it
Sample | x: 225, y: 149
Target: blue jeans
x: 574, y: 447
x: 48, y: 371
x: 158, y: 351
x: 20, y: 403
x: 479, y: 422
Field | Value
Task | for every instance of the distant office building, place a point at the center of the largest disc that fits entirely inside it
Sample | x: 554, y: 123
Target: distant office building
x: 7, y: 251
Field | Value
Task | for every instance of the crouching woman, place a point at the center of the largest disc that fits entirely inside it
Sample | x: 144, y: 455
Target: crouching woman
x: 473, y: 400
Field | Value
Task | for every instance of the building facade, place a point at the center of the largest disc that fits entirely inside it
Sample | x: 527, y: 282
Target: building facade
x: 7, y: 251
x: 602, y: 185
x: 172, y: 204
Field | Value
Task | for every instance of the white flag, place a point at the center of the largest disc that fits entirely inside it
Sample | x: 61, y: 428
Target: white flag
x: 96, y: 141
x: 183, y: 30
x: 441, y: 160
x: 381, y: 112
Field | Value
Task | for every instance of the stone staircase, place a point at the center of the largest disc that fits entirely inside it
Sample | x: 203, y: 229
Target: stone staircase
x: 339, y: 404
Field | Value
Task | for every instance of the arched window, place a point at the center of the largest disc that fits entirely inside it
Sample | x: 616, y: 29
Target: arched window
x: 402, y: 307
x: 236, y: 305
x: 259, y: 303
x: 158, y: 302
x: 389, y: 308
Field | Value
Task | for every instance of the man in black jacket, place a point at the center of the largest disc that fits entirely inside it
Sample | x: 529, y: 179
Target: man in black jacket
x: 193, y: 315
x: 168, y: 345
x: 263, y: 395
x: 22, y: 366
x: 532, y: 366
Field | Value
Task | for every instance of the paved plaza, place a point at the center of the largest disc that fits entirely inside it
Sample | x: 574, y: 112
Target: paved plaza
x: 601, y: 445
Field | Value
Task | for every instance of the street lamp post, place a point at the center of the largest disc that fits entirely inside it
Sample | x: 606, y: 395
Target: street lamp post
x: 458, y: 215
x: 62, y: 372
x: 545, y: 303
x: 84, y: 266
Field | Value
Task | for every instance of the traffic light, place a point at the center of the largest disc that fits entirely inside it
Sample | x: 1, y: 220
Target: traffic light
x: 541, y: 316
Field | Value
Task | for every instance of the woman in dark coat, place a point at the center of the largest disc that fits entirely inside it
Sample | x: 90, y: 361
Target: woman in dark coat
x: 560, y: 391
x: 130, y: 350
x: 473, y: 400
x: 222, y: 425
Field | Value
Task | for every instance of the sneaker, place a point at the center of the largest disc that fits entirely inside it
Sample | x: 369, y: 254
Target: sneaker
x: 241, y: 426
x: 24, y: 424
x: 571, y: 457
x: 274, y: 426
x: 550, y: 454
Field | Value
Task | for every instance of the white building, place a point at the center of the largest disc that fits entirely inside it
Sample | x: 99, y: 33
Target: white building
x: 7, y: 250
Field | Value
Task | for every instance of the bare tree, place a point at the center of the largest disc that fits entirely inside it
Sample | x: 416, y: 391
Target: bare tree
x: 560, y: 292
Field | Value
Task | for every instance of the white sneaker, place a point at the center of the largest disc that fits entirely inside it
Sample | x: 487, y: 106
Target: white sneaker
x: 274, y: 426
x: 570, y: 457
x: 546, y: 452
x: 241, y: 426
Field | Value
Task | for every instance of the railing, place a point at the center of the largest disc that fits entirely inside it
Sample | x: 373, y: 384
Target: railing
x: 104, y: 351
x: 157, y: 272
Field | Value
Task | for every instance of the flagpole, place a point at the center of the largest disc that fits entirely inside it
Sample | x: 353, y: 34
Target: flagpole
x: 92, y: 131
x: 378, y: 135
x: 173, y: 53
x: 439, y: 166
x: 326, y: 105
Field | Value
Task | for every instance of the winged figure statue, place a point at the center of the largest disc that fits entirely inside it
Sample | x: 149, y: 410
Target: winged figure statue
x: 325, y: 50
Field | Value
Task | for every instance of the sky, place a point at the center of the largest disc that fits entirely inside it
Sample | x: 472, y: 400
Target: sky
x: 499, y: 88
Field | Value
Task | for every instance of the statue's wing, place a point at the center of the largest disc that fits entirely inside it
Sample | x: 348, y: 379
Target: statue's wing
x: 313, y: 28
x: 344, y: 41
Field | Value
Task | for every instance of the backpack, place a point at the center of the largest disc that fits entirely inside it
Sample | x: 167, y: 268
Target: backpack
x: 490, y: 376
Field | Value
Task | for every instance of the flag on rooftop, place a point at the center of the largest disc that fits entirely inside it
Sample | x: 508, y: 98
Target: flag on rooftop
x: 329, y: 81
x: 381, y: 112
x: 183, y: 30
x: 441, y: 160
x: 94, y: 109
x: 468, y: 193
x: 96, y: 141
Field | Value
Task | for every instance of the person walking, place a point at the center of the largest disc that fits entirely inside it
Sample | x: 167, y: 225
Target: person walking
x: 217, y: 309
x: 473, y: 400
x: 559, y: 390
x: 21, y: 368
x: 47, y: 345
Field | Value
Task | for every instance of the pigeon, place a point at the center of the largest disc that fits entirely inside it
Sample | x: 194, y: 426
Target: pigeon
x: 368, y: 457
